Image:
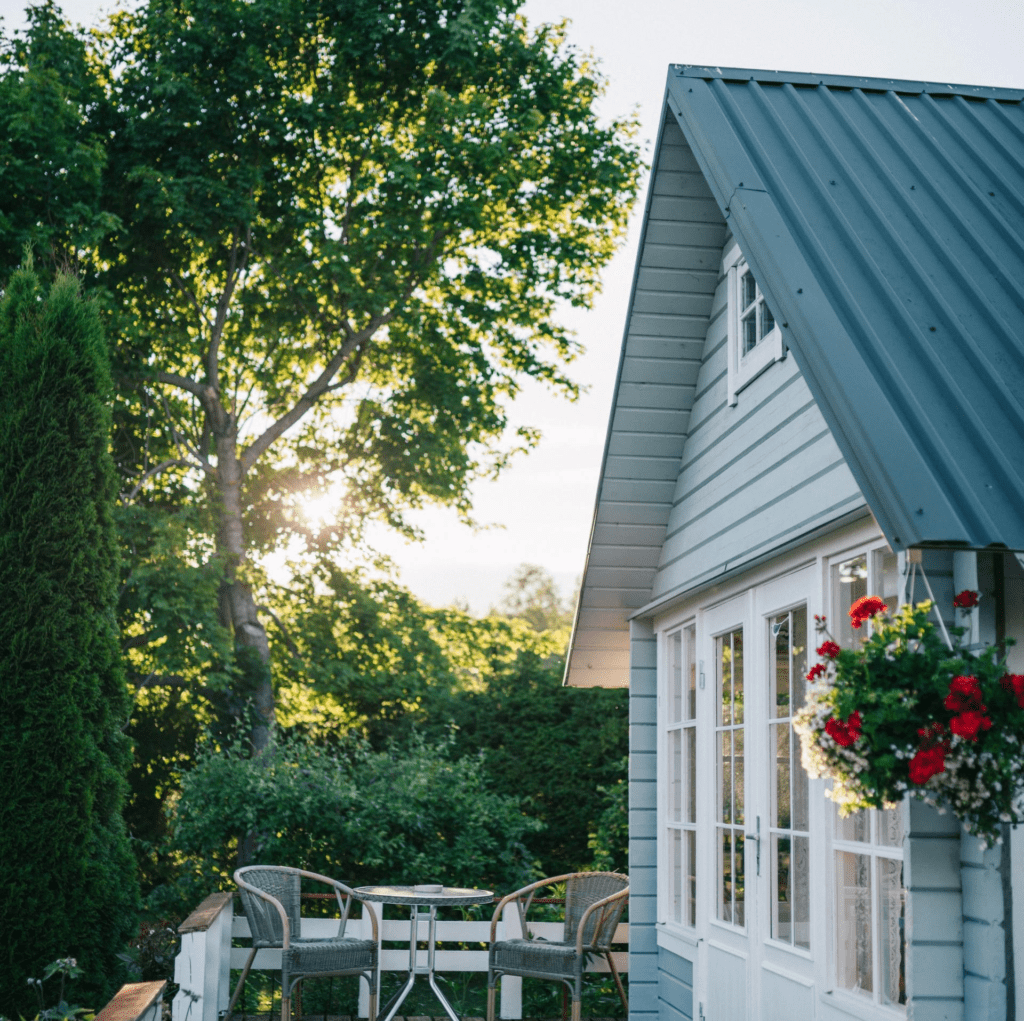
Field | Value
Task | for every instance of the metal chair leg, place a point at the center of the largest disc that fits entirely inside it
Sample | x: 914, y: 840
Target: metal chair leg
x: 373, y: 1004
x: 241, y: 982
x: 576, y: 1007
x: 490, y: 1003
x: 618, y: 982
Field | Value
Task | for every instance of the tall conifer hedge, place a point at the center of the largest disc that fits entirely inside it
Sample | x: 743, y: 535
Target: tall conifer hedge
x: 67, y: 875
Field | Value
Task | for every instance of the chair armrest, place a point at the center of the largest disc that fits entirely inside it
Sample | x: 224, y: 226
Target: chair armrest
x: 339, y: 889
x: 602, y: 904
x: 286, y: 924
x: 518, y: 893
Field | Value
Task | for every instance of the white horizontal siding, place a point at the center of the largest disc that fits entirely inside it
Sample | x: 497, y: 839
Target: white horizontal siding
x: 753, y: 476
x: 663, y: 348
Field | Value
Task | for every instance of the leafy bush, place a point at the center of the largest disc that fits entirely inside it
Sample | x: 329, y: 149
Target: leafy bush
x: 408, y: 816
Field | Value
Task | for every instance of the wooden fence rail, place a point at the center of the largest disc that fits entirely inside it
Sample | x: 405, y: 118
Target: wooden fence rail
x: 203, y: 966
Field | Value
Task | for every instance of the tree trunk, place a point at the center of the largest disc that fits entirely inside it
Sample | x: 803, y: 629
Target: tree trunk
x: 237, y: 606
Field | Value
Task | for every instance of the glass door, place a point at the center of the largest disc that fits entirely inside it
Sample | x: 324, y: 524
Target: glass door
x: 791, y: 891
x: 732, y: 936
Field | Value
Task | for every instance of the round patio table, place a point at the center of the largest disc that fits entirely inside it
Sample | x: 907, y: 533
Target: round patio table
x: 429, y: 897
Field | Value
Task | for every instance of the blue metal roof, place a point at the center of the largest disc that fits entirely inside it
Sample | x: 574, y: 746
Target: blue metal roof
x: 884, y: 221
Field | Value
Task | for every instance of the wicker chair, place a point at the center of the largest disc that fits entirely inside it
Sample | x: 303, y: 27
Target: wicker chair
x: 270, y: 899
x: 594, y: 902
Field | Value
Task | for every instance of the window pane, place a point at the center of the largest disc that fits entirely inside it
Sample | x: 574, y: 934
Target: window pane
x: 690, y: 739
x: 737, y: 776
x: 853, y: 921
x: 782, y: 915
x: 748, y: 289
x: 888, y: 569
x: 725, y: 782
x: 849, y: 583
x: 767, y: 320
x: 778, y: 666
x: 676, y: 870
x: 737, y: 675
x: 724, y: 679
x: 889, y: 827
x: 691, y: 660
x: 800, y: 787
x: 691, y: 876
x: 801, y: 885
x: 854, y: 827
x: 798, y: 642
x: 891, y: 932
x: 780, y: 741
x: 675, y: 774
x: 749, y: 332
x: 676, y: 679
x: 737, y: 911
x: 725, y: 871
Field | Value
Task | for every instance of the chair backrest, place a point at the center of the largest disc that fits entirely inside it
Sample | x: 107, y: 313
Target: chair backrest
x: 264, y: 921
x: 584, y: 889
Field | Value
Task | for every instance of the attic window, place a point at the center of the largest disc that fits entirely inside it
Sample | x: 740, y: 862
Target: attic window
x: 755, y: 340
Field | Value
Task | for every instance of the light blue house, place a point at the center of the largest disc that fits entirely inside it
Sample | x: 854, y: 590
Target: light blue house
x: 821, y: 386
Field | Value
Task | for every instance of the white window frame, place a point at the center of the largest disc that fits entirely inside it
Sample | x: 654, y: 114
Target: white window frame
x: 667, y: 824
x: 872, y: 849
x: 745, y: 368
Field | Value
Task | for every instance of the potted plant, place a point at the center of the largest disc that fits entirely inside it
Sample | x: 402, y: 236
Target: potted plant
x: 905, y: 712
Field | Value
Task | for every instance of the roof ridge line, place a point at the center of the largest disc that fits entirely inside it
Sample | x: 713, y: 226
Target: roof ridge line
x: 849, y: 82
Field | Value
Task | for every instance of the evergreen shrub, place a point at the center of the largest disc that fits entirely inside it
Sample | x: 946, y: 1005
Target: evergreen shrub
x: 69, y: 884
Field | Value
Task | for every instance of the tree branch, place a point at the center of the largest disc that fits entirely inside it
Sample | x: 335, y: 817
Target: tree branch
x: 316, y: 389
x: 180, y: 441
x: 155, y: 470
x: 179, y: 282
x: 292, y: 648
x: 183, y: 382
x: 138, y: 641
x: 234, y: 274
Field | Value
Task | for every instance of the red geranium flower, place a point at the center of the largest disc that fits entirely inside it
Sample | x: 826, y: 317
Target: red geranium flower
x: 969, y: 723
x: 930, y: 758
x: 966, y: 600
x: 926, y: 763
x: 829, y: 650
x: 964, y: 694
x: 844, y: 734
x: 816, y: 671
x: 1014, y: 683
x: 865, y: 608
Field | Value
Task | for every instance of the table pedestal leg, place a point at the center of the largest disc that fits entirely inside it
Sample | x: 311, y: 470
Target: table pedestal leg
x: 396, y: 1001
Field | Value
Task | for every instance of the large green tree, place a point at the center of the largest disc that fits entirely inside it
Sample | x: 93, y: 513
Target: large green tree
x: 345, y: 228
x: 68, y: 874
x: 51, y: 152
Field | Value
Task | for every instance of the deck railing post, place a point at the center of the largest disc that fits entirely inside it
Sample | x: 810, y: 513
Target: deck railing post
x: 202, y: 968
x: 511, y: 985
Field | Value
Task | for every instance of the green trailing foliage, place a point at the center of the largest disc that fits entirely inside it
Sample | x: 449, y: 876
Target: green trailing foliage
x: 69, y: 877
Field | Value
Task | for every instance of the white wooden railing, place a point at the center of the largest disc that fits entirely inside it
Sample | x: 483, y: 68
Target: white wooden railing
x: 203, y: 966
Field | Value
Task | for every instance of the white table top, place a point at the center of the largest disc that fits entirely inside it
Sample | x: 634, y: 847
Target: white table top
x: 424, y: 894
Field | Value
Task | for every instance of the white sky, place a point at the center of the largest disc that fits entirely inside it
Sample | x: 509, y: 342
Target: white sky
x: 545, y: 503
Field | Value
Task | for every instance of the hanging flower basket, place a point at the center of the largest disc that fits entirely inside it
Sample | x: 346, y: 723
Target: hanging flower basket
x: 905, y: 712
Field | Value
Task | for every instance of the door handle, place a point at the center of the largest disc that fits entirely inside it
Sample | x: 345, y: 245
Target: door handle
x: 756, y: 837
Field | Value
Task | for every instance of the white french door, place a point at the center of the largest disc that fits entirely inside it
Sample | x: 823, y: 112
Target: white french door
x: 757, y: 832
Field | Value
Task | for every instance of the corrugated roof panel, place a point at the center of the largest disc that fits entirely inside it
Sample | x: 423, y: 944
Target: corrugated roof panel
x: 885, y: 223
